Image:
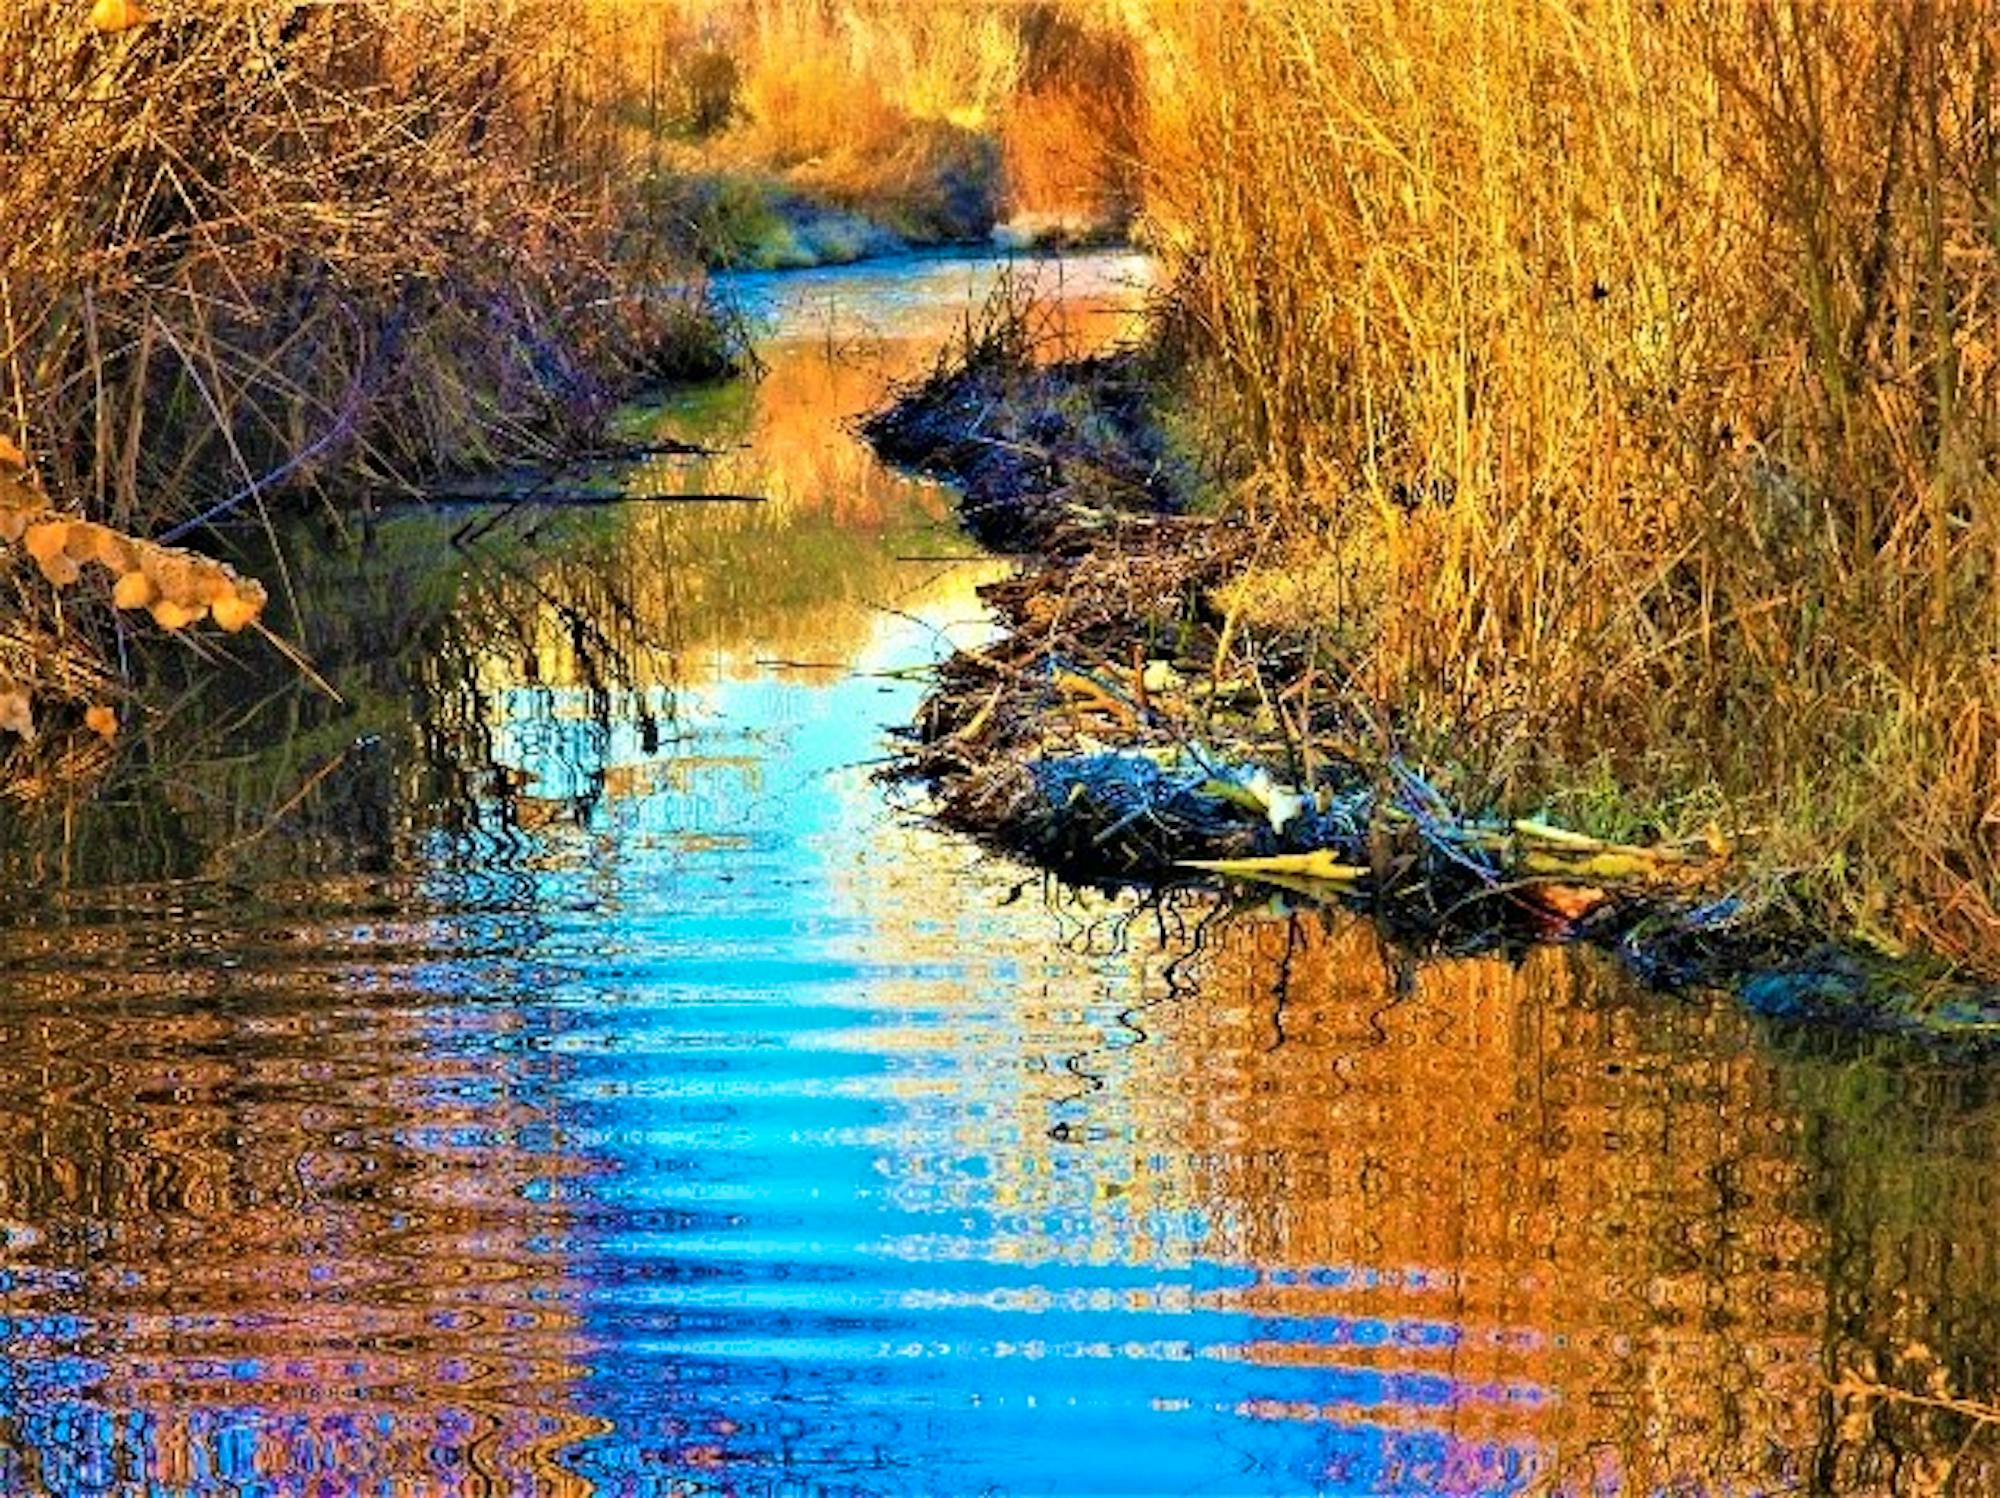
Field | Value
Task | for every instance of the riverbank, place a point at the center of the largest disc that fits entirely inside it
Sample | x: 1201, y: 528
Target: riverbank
x: 1128, y: 729
x: 1617, y: 384
x: 400, y: 246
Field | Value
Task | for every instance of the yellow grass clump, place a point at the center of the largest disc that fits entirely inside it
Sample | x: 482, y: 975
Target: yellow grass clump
x: 1623, y: 379
x: 935, y: 121
x: 176, y: 586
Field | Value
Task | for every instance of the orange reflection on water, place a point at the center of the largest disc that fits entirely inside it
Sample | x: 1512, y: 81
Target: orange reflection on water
x: 1561, y: 1212
x: 801, y: 577
x: 214, y: 1199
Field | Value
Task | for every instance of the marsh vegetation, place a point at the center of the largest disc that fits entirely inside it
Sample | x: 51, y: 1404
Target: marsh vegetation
x: 1616, y: 383
x: 1610, y: 392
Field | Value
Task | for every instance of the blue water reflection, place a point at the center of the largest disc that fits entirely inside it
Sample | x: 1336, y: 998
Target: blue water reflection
x: 825, y: 1235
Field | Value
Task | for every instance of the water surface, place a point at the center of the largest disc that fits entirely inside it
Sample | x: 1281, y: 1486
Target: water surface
x: 562, y: 1068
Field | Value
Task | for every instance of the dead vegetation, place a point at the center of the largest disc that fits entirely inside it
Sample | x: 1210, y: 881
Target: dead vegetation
x: 1136, y: 725
x: 1619, y: 385
x: 786, y: 132
x: 259, y: 249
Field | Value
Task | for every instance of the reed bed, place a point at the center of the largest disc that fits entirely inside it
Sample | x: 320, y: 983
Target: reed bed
x: 1622, y: 383
x: 933, y: 122
x: 261, y: 248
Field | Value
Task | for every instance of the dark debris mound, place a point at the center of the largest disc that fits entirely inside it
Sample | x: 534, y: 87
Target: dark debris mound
x: 1041, y: 452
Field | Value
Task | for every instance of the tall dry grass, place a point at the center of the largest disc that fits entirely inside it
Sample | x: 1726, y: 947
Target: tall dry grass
x: 260, y: 247
x: 1625, y: 380
x: 937, y: 119
x: 374, y: 233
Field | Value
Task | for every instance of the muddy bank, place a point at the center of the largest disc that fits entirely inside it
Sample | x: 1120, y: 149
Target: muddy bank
x: 1125, y: 732
x: 751, y: 220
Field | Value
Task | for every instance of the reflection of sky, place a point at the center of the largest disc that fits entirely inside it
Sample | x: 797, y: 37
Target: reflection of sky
x: 816, y: 1061
x: 925, y: 292
x: 829, y: 1235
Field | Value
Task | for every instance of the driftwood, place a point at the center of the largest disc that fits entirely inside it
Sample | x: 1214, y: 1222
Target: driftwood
x: 578, y: 498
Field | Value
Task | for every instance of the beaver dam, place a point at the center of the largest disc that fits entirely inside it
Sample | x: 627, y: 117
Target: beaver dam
x: 1124, y: 732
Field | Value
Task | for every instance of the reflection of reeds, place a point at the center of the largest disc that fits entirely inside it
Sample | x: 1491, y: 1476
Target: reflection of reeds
x: 1627, y: 372
x: 238, y: 1189
x: 1523, y: 1210
x: 1492, y: 1145
x: 1603, y: 1199
x: 803, y: 576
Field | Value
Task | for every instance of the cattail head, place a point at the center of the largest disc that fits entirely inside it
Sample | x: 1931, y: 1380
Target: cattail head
x: 113, y: 16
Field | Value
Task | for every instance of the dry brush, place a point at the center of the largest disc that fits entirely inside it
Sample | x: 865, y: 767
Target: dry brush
x: 1625, y: 379
x: 256, y: 248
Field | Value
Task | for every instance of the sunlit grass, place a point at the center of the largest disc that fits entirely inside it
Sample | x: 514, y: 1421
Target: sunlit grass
x: 254, y: 250
x: 1624, y: 378
x: 937, y: 121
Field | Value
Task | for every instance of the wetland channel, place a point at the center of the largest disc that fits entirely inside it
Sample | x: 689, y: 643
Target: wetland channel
x: 564, y: 1068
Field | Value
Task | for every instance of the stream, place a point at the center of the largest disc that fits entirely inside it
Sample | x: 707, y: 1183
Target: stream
x: 562, y: 1067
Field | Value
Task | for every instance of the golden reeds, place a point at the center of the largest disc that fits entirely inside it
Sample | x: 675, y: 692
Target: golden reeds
x: 251, y: 246
x: 1627, y: 376
x: 935, y: 121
